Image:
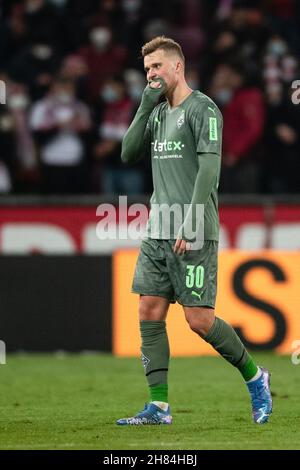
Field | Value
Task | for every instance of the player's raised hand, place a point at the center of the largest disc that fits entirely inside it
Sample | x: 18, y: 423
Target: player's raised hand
x: 153, y: 92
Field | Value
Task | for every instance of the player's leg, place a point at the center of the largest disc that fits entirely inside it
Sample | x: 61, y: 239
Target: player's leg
x: 224, y: 339
x: 155, y: 351
x: 195, y: 284
x: 151, y: 281
x: 155, y: 355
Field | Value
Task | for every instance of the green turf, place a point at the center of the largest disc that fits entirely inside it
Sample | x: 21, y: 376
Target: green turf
x: 72, y: 402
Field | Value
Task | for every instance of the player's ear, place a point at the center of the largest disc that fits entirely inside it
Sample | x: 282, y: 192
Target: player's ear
x: 178, y: 66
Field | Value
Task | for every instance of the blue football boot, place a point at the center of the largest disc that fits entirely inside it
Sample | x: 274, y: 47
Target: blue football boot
x: 261, y: 397
x: 151, y: 414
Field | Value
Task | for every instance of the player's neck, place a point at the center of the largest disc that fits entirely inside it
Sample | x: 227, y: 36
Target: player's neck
x: 178, y: 95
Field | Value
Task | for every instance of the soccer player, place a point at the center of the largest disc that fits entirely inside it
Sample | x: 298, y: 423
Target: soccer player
x: 182, y: 136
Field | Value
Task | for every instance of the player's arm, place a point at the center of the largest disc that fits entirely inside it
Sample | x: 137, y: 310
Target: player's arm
x: 205, y: 180
x: 208, y: 137
x: 135, y: 139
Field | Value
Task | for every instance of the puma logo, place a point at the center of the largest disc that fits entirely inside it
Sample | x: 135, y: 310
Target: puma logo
x: 196, y: 294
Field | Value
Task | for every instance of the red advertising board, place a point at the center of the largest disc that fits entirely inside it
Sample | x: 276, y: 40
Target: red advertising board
x: 77, y: 230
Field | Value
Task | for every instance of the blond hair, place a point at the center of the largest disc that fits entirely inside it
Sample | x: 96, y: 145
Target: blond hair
x: 166, y: 44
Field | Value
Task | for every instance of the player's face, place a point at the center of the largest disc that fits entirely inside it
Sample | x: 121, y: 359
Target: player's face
x: 160, y: 64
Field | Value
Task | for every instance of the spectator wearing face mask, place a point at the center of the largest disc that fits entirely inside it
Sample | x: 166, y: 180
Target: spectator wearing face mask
x: 103, y: 58
x: 111, y: 14
x: 243, y: 110
x: 61, y: 125
x: 117, y: 114
x: 278, y: 62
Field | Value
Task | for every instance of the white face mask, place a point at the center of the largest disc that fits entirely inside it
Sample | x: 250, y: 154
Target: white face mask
x: 135, y: 92
x: 41, y: 51
x: 277, y: 47
x: 100, y: 37
x: 109, y: 95
x: 18, y: 101
x: 224, y: 96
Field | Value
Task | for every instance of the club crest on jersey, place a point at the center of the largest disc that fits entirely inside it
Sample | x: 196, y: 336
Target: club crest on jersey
x: 180, y: 120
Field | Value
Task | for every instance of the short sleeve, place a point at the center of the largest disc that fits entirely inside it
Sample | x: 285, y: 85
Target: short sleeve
x: 207, y: 127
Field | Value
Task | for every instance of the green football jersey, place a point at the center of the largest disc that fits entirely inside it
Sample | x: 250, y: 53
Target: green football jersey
x: 176, y: 136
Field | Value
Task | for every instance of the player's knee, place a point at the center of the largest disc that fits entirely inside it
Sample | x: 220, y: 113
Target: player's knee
x: 201, y: 320
x: 152, y: 309
x: 148, y: 312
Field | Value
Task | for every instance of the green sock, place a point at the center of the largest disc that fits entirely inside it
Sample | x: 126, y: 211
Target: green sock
x: 159, y: 393
x: 248, y: 370
x: 155, y: 358
x: 225, y: 340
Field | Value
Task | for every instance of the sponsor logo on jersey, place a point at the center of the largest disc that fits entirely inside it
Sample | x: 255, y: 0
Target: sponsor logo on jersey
x: 213, y: 130
x: 166, y: 145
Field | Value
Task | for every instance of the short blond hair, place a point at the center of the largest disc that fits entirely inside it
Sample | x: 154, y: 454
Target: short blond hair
x: 166, y: 44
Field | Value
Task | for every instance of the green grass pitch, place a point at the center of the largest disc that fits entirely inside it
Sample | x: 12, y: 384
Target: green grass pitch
x: 72, y: 402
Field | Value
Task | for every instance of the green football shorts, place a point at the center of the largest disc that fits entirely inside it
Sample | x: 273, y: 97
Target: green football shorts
x: 189, y: 279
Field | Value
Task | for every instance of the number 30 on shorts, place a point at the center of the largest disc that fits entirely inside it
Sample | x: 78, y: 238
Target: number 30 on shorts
x: 194, y: 276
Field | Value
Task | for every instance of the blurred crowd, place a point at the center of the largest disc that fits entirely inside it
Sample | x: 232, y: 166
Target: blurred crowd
x: 72, y: 75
